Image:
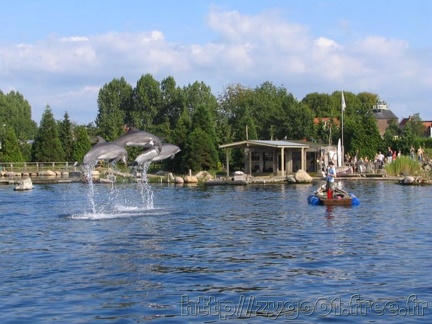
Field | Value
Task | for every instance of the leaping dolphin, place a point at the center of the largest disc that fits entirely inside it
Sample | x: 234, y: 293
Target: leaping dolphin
x: 136, y: 137
x: 151, y: 154
x: 168, y: 151
x: 146, y: 156
x: 105, y: 151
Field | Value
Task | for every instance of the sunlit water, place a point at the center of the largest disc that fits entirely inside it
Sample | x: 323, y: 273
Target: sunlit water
x: 203, y: 254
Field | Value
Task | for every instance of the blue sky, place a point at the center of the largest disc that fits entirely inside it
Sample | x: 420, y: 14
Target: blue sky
x: 60, y: 53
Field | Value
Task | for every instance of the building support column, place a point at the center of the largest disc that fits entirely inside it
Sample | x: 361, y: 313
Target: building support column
x: 283, y: 161
x: 227, y: 161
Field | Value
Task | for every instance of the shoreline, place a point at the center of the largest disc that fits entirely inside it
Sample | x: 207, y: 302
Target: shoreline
x: 76, y: 177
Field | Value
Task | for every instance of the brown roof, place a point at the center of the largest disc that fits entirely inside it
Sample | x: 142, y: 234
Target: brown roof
x: 325, y: 120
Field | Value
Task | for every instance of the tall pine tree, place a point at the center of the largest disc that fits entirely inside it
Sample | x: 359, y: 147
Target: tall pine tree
x: 10, y: 147
x: 81, y: 144
x: 47, y: 146
x: 66, y: 136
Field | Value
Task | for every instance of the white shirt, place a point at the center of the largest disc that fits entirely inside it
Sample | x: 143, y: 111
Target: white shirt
x: 331, y: 173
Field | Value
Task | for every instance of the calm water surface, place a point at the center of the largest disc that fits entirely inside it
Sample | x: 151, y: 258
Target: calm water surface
x: 71, y: 253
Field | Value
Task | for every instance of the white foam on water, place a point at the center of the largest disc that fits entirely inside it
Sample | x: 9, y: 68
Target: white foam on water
x: 120, y: 213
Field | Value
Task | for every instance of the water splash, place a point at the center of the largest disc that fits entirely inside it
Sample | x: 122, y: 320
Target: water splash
x: 116, y: 201
x: 146, y: 191
x: 88, y: 176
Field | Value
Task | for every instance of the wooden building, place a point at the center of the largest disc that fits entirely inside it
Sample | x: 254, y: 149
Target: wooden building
x: 278, y: 158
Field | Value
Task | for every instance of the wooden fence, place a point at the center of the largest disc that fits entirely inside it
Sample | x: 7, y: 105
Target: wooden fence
x: 20, y: 167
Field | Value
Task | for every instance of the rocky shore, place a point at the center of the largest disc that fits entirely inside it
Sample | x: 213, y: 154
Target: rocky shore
x: 239, y: 178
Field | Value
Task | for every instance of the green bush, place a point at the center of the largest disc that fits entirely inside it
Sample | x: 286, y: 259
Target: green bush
x: 403, y: 165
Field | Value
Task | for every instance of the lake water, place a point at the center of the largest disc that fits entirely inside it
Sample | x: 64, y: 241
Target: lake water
x: 72, y: 253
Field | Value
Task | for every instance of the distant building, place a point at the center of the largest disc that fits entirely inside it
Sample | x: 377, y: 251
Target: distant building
x: 381, y: 112
x: 326, y: 121
x: 427, y: 126
x: 383, y: 116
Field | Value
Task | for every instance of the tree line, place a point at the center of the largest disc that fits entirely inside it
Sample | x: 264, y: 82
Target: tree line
x: 197, y: 121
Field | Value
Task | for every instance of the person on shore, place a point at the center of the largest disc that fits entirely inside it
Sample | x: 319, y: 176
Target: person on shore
x: 412, y: 151
x: 379, y: 160
x: 389, y: 155
x: 420, y: 154
x: 330, y: 183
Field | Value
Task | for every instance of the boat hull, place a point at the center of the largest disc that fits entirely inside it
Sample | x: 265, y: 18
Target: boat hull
x: 336, y: 202
x: 340, y: 198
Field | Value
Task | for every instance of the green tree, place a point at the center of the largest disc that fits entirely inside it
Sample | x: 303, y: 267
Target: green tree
x: 320, y: 104
x: 66, y: 136
x: 47, y: 146
x: 172, y: 102
x: 199, y: 94
x: 296, y: 120
x: 113, y: 100
x: 414, y: 125
x: 235, y: 112
x: 81, y: 145
x: 267, y: 109
x: 360, y: 127
x: 10, y: 147
x: 200, y: 153
x: 146, y: 103
x: 202, y: 149
x: 179, y: 137
x: 15, y: 112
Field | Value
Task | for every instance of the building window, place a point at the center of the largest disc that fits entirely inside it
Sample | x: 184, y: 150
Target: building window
x: 255, y: 156
x: 268, y: 156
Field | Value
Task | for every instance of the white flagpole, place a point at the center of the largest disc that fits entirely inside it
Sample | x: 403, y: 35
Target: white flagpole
x: 343, y: 109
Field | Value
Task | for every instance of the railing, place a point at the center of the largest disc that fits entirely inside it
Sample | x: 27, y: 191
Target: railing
x: 19, y: 167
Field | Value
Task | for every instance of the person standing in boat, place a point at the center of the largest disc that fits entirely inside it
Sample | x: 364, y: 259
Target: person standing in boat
x: 331, y: 175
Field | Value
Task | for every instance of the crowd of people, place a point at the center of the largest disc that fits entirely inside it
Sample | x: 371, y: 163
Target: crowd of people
x: 380, y: 159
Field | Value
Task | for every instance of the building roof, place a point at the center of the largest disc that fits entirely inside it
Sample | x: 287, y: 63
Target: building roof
x: 325, y: 120
x: 276, y: 144
x: 384, y: 114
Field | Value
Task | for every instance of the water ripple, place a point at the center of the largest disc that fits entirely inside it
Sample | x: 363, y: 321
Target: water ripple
x: 234, y: 249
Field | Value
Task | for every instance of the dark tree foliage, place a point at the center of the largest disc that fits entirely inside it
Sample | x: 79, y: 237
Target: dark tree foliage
x: 202, y: 125
x: 179, y: 137
x: 81, y: 145
x: 360, y: 127
x: 15, y: 112
x: 179, y: 114
x: 66, y: 136
x: 10, y: 149
x: 267, y: 108
x: 47, y: 146
x: 172, y: 103
x: 415, y: 126
x: 113, y: 100
x: 200, y: 153
x: 199, y: 94
x: 297, y: 121
x: 321, y: 105
x: 147, y: 99
x: 235, y: 112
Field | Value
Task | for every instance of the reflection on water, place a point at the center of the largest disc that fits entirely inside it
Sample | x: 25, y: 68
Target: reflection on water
x: 207, y: 253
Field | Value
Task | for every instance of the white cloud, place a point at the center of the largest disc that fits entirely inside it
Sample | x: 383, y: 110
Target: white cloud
x: 67, y: 72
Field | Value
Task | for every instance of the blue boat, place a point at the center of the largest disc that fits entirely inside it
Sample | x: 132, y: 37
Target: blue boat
x: 339, y: 198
